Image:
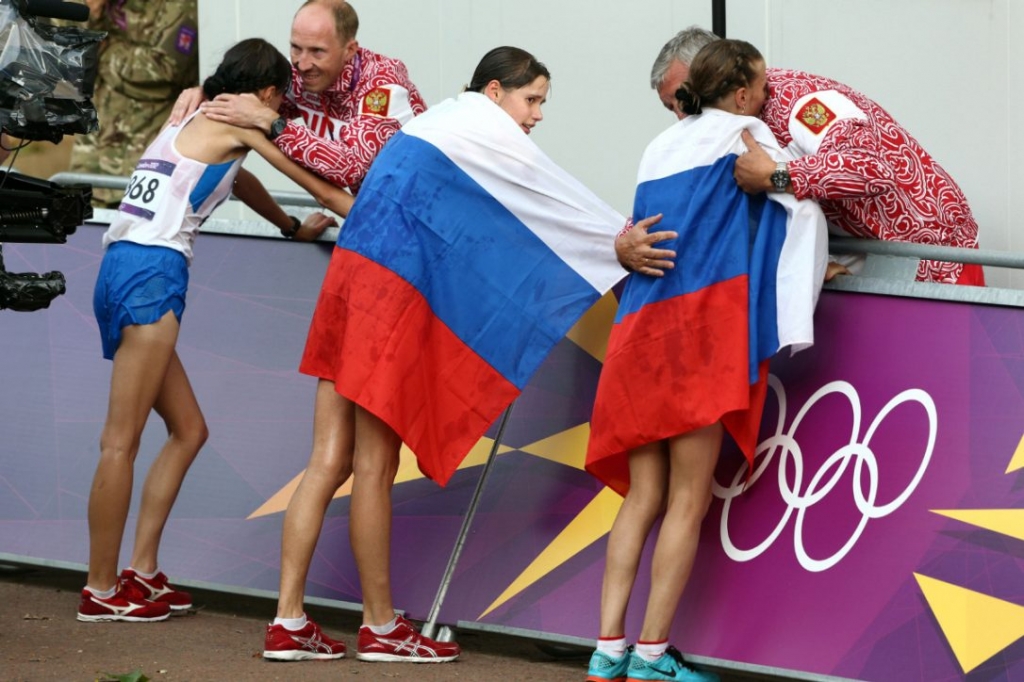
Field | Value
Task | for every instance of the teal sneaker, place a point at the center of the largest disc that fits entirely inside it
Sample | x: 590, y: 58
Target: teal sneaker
x: 605, y: 668
x: 671, y: 666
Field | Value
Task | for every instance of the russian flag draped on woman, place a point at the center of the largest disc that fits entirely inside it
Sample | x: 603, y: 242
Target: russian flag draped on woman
x: 690, y: 349
x: 467, y: 256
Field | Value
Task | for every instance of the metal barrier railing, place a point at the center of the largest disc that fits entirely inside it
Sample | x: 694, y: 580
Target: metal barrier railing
x: 230, y: 226
x: 889, y: 268
x: 115, y: 182
x: 1002, y: 259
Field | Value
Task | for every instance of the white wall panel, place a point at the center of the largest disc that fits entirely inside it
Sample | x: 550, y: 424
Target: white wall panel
x: 944, y: 68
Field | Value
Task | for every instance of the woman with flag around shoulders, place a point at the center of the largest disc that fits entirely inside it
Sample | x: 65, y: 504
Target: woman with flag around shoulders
x: 688, y: 353
x: 467, y: 256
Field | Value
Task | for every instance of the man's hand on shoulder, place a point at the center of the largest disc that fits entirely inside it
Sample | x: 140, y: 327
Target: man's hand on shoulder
x: 754, y: 168
x: 244, y: 111
x: 188, y: 101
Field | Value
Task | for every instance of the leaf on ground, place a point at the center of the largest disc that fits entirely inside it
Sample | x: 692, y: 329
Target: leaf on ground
x: 29, y: 616
x: 133, y: 676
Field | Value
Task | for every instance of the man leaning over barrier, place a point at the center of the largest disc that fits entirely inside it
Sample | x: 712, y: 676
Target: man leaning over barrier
x: 870, y: 176
x: 345, y: 103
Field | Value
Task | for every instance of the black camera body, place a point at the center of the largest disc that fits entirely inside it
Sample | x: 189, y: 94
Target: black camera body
x: 27, y: 291
x: 37, y: 211
x: 47, y: 75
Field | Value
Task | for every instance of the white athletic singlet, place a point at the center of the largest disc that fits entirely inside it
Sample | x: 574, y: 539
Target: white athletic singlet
x: 169, y: 196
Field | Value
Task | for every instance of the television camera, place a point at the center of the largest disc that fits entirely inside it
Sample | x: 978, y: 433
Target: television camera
x: 47, y: 74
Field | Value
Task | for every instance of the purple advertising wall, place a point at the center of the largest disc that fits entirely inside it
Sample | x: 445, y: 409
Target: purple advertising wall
x: 878, y: 538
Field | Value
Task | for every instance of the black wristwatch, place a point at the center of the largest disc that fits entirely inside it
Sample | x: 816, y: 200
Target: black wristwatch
x: 780, y: 177
x: 294, y: 230
x: 277, y: 127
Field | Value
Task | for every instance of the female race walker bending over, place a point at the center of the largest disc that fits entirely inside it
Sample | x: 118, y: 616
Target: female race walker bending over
x: 139, y: 300
x: 687, y: 356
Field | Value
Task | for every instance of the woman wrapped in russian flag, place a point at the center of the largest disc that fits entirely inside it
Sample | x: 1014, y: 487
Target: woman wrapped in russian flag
x: 687, y: 357
x: 467, y: 256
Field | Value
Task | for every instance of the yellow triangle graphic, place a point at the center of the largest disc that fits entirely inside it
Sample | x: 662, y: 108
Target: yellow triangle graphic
x: 1005, y: 521
x: 568, y: 447
x: 408, y: 470
x: 590, y: 525
x: 1017, y: 463
x: 976, y: 625
x: 591, y: 331
x: 280, y: 499
x: 479, y: 454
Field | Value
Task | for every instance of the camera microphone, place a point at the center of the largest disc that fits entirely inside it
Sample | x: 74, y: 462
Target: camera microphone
x: 57, y: 9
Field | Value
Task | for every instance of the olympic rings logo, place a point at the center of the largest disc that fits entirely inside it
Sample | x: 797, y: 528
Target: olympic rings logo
x: 800, y: 500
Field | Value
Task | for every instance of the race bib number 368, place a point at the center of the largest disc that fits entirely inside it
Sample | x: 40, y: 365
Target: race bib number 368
x: 148, y: 188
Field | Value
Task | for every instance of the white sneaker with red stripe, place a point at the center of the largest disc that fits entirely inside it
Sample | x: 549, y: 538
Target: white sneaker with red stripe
x: 403, y: 645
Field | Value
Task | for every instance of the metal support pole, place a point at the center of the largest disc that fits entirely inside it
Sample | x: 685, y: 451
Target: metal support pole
x: 718, y: 18
x: 431, y: 623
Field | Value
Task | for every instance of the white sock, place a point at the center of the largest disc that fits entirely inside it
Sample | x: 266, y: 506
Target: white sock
x: 102, y: 594
x: 614, y: 647
x: 384, y: 629
x: 651, y: 651
x: 292, y: 624
x: 147, y: 576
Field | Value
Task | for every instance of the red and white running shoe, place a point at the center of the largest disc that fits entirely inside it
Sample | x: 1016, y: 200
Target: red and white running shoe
x: 159, y: 590
x: 307, y: 644
x: 403, y: 645
x: 127, y: 604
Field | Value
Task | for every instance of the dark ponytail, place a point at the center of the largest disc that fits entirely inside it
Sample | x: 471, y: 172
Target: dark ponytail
x: 689, y: 101
x: 250, y: 65
x: 720, y: 68
x: 510, y: 66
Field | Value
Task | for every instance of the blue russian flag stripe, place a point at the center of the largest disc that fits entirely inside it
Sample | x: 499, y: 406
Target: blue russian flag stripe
x: 723, y: 233
x: 425, y: 219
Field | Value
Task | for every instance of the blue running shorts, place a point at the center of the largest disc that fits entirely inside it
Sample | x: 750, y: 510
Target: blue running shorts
x: 137, y: 284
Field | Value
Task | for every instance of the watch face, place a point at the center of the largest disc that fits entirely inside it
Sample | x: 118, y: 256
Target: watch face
x: 277, y: 127
x: 780, y: 180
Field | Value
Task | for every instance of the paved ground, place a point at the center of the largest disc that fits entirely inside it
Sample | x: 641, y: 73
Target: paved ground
x: 41, y: 640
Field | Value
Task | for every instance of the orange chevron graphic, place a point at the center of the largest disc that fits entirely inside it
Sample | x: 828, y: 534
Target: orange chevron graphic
x: 568, y: 447
x: 1017, y: 463
x: 976, y: 625
x: 591, y: 331
x: 1003, y: 521
x: 590, y: 525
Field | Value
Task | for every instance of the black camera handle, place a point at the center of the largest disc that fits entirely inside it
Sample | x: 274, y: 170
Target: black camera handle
x: 56, y: 9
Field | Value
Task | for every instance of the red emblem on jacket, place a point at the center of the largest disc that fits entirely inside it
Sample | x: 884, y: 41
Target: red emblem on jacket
x: 815, y: 115
x: 376, y: 102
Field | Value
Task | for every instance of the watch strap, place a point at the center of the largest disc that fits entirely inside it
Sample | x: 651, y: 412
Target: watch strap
x: 277, y: 127
x: 294, y: 230
x: 780, y: 177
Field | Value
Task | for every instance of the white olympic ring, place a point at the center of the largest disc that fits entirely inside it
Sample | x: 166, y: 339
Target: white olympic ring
x: 791, y: 458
